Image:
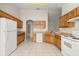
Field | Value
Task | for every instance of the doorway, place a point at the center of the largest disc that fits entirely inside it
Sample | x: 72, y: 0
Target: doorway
x: 29, y: 30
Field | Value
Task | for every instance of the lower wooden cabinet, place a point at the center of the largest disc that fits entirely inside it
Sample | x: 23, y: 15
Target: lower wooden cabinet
x: 20, y: 37
x: 58, y: 41
x: 34, y: 37
x: 46, y: 37
x: 53, y: 39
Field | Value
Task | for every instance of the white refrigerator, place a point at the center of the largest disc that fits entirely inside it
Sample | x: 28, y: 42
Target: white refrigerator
x: 8, y: 36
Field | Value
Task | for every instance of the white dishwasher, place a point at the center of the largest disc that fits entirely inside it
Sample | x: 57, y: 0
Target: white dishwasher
x: 69, y: 46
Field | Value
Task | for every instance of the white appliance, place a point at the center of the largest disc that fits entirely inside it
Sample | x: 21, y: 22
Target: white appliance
x: 8, y: 36
x: 75, y: 34
x: 69, y: 46
x: 39, y: 37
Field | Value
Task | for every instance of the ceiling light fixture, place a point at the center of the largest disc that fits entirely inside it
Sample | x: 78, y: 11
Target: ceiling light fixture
x: 39, y: 4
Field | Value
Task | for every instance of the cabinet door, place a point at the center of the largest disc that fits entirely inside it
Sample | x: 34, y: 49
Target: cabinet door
x: 72, y: 14
x: 19, y: 24
x: 52, y: 38
x: 77, y: 11
x: 61, y: 22
x: 34, y: 37
x: 20, y: 38
x: 58, y: 41
x: 46, y: 38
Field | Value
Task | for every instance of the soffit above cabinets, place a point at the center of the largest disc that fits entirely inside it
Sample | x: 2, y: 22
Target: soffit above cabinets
x: 34, y: 6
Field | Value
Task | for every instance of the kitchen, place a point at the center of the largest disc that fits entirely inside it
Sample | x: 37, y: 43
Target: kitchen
x: 50, y: 27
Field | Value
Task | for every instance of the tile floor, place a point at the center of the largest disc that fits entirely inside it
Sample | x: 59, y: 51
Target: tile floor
x: 36, y: 49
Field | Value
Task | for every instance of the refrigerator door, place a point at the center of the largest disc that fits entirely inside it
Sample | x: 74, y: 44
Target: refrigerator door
x: 3, y: 36
x: 3, y: 24
x: 8, y: 36
x: 11, y: 25
x: 11, y: 42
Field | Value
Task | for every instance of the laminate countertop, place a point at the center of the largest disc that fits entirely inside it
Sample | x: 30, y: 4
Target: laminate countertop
x: 63, y: 33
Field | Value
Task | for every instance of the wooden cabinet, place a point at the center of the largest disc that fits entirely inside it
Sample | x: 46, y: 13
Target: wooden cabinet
x: 63, y: 23
x: 46, y: 37
x: 72, y: 14
x: 19, y: 24
x: 11, y: 17
x: 39, y: 24
x: 34, y: 37
x: 52, y: 38
x: 58, y: 41
x: 20, y: 37
x: 77, y: 11
x: 63, y: 19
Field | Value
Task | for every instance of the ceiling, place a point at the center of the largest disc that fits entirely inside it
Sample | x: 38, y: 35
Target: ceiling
x: 38, y: 6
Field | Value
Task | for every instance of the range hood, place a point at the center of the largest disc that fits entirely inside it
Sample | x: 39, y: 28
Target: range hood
x: 76, y: 19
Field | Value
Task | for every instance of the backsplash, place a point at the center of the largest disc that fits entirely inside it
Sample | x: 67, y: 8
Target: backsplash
x: 67, y: 30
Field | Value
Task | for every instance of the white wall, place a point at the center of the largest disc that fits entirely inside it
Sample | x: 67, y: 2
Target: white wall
x: 34, y: 15
x: 9, y: 9
x: 53, y: 20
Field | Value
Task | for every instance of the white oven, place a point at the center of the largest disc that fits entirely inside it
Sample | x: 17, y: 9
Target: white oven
x: 69, y: 46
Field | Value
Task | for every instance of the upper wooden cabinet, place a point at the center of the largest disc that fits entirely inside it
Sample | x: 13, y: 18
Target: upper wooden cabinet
x: 63, y: 22
x: 11, y: 17
x: 63, y: 19
x: 39, y: 24
x: 19, y: 24
x: 77, y: 11
x: 72, y: 14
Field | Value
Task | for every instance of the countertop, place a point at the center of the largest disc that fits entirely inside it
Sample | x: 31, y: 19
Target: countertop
x: 63, y: 33
x: 58, y: 33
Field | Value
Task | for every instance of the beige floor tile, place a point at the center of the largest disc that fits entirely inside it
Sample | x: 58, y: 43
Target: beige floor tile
x: 36, y: 49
